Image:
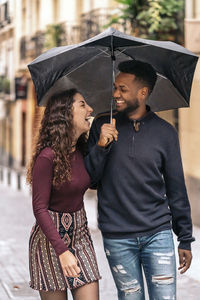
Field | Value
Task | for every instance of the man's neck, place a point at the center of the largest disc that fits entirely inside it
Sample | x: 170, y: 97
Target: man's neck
x: 138, y: 113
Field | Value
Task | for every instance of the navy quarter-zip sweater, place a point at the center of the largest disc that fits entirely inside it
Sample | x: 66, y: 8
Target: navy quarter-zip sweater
x: 140, y: 182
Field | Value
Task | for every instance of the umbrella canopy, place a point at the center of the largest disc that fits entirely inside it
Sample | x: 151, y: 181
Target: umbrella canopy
x: 88, y: 66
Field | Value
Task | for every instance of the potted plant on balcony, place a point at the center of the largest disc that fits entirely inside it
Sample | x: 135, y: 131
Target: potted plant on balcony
x: 4, y: 85
x: 55, y: 36
x: 152, y: 19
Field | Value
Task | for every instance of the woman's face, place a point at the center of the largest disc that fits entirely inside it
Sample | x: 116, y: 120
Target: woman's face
x: 81, y: 114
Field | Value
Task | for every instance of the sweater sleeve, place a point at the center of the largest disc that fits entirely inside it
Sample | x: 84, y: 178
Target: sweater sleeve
x: 177, y: 194
x: 96, y: 157
x: 41, y: 190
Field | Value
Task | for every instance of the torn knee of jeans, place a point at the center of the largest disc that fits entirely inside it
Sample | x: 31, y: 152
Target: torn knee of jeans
x: 162, y: 279
x: 168, y: 254
x: 132, y: 290
x: 130, y: 287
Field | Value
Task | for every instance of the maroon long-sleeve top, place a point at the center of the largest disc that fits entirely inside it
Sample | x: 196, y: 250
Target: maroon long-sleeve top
x: 68, y: 198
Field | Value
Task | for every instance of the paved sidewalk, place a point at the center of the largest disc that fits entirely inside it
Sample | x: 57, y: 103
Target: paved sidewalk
x: 15, y: 225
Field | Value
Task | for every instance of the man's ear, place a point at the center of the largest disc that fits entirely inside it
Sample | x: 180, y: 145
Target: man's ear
x: 144, y: 91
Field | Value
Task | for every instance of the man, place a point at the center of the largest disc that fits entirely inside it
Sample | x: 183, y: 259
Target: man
x: 141, y: 190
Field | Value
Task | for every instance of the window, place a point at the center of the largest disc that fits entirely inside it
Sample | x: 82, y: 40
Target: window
x: 4, y: 14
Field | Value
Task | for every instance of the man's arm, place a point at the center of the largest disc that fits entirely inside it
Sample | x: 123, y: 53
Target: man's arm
x: 99, y: 143
x: 178, y: 201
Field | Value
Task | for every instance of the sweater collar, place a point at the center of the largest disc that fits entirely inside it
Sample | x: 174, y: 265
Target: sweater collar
x: 147, y: 116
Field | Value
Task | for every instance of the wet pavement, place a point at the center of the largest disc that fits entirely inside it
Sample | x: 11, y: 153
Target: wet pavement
x: 15, y: 225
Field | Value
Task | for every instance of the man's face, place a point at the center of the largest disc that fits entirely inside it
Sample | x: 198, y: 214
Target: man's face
x: 126, y: 92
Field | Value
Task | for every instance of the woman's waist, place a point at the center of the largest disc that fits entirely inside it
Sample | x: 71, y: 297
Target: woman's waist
x: 71, y: 222
x: 65, y: 205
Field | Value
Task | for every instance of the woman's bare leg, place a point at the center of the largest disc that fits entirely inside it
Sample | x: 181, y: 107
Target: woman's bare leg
x: 88, y: 291
x: 57, y: 295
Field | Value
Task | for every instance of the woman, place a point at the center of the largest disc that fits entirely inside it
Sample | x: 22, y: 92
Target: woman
x: 61, y: 253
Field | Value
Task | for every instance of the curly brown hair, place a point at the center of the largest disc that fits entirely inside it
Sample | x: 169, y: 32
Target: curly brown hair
x: 56, y: 131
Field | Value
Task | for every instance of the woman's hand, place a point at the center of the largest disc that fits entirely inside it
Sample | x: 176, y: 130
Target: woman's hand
x: 69, y: 264
x: 108, y: 134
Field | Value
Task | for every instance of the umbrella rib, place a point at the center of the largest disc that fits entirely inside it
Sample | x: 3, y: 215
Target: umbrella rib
x: 85, y: 62
x: 105, y: 52
x: 142, y: 46
x: 120, y: 52
x: 160, y: 75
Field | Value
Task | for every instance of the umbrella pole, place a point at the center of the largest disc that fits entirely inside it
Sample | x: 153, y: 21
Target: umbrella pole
x: 113, y: 78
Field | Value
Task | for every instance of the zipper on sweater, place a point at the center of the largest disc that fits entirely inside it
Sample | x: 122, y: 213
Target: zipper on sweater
x: 135, y: 130
x: 132, y: 146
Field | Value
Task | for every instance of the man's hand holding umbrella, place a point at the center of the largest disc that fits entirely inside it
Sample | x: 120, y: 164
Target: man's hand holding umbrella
x: 108, y: 134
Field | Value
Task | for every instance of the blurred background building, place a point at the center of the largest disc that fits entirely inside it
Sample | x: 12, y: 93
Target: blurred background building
x: 189, y: 121
x: 30, y: 27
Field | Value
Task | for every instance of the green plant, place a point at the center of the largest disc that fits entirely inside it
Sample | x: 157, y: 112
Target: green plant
x: 55, y: 35
x: 4, y: 85
x: 1, y: 84
x: 153, y: 19
x: 128, y: 11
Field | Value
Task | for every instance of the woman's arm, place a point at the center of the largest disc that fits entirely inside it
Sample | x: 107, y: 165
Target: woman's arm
x: 42, y: 184
x: 41, y: 191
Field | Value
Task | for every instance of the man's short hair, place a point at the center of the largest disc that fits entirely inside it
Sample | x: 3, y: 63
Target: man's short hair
x: 144, y: 72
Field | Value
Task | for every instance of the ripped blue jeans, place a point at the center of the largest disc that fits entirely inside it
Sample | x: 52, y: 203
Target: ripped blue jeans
x: 155, y: 254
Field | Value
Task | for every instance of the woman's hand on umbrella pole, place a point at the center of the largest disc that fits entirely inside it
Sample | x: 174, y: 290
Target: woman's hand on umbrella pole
x: 69, y: 264
x: 108, y: 134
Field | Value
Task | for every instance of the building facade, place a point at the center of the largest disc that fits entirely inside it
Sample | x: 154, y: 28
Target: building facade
x: 6, y: 82
x: 27, y: 28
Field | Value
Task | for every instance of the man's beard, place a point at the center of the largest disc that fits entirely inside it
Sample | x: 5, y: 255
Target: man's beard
x: 131, y: 107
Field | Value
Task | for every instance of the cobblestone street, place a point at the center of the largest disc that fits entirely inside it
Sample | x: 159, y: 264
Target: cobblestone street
x: 15, y: 225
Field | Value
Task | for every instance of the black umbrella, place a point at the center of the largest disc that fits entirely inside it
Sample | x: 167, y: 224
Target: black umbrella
x: 89, y: 67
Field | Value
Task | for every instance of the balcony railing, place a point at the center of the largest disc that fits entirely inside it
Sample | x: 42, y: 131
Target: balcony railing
x: 91, y: 23
x: 31, y: 47
x: 94, y: 22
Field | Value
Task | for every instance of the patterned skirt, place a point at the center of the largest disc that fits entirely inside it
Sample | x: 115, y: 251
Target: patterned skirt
x: 45, y: 269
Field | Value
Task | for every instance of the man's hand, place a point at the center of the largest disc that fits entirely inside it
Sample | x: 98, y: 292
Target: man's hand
x: 185, y: 258
x: 108, y: 134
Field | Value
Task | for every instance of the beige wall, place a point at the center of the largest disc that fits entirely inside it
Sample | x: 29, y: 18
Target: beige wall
x: 88, y: 5
x: 189, y: 120
x: 167, y: 115
x: 190, y: 145
x: 197, y: 9
x: 102, y: 3
x: 190, y: 129
x: 7, y: 70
